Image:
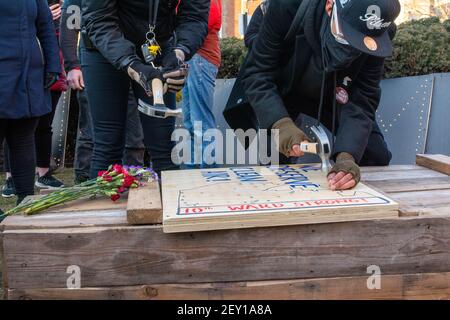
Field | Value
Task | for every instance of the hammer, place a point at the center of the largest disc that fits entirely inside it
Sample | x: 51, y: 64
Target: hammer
x: 158, y: 109
x: 322, y: 147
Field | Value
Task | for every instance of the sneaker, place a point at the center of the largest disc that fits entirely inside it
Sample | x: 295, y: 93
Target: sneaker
x: 8, y: 190
x: 48, y: 182
x: 79, y: 179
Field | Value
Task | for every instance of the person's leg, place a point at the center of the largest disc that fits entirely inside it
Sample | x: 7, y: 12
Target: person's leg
x: 202, y: 81
x: 107, y: 89
x: 8, y: 190
x: 20, y: 135
x: 84, y: 143
x: 2, y: 136
x: 43, y: 141
x: 7, y: 165
x: 187, y: 121
x: 44, y: 135
x: 134, y: 141
x: 377, y: 152
x: 158, y: 133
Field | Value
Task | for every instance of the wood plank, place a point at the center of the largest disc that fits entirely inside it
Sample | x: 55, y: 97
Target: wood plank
x: 405, y: 185
x: 230, y: 198
x: 402, y: 174
x: 390, y: 168
x: 127, y: 256
x: 437, y: 162
x: 403, y: 286
x: 66, y: 220
x: 144, y: 205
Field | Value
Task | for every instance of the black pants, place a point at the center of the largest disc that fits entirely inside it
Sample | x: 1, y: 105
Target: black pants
x: 43, y: 137
x: 134, y: 146
x: 107, y: 89
x: 19, y: 134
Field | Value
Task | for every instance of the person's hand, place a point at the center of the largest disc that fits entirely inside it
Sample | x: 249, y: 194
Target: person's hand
x: 75, y: 79
x: 345, y: 174
x: 144, y: 75
x: 50, y: 80
x: 175, y: 71
x: 56, y: 11
x: 290, y: 138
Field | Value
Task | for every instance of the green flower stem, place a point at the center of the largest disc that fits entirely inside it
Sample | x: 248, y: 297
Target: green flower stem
x: 94, y: 187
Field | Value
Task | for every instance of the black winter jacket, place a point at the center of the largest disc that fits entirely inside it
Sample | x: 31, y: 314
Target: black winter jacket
x: 117, y: 28
x: 274, y: 68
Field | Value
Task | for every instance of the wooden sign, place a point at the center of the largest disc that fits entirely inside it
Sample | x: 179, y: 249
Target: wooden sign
x: 246, y: 197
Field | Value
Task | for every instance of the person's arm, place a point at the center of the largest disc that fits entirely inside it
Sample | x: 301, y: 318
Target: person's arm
x: 253, y: 27
x: 102, y: 25
x: 69, y: 41
x: 192, y: 26
x: 47, y: 37
x: 357, y: 116
x: 263, y: 62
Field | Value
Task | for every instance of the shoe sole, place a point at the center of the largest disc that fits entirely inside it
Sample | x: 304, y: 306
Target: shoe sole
x: 7, y: 196
x: 43, y: 186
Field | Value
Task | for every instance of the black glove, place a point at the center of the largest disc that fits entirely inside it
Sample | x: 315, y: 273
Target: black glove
x: 290, y: 135
x: 50, y: 80
x: 175, y: 71
x: 144, y: 74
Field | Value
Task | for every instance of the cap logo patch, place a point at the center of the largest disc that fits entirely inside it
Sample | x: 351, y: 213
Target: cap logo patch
x: 372, y: 18
x: 343, y: 2
x: 370, y: 43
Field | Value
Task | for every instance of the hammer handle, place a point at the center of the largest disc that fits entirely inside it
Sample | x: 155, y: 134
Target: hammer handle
x: 309, y: 147
x: 158, y: 92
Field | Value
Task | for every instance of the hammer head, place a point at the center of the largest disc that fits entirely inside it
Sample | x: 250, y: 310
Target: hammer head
x: 324, y: 147
x: 158, y: 110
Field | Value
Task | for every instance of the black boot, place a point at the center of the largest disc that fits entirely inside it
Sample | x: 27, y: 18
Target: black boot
x: 2, y: 215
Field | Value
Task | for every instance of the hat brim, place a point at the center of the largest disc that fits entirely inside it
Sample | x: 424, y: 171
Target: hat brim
x: 380, y: 46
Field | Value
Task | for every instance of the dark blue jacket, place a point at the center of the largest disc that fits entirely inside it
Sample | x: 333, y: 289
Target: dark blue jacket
x: 26, y: 26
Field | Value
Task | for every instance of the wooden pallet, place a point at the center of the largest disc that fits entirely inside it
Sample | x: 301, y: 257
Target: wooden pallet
x: 248, y: 197
x: 323, y: 261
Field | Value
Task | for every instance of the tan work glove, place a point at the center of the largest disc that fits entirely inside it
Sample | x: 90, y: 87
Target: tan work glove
x: 345, y: 174
x: 290, y: 136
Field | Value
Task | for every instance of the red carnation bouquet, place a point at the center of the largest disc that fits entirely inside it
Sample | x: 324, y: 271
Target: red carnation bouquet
x: 113, y: 183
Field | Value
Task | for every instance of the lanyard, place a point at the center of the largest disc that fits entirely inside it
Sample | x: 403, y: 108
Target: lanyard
x: 153, y: 13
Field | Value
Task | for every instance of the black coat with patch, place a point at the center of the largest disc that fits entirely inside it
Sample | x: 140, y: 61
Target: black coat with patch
x: 266, y: 89
x: 117, y: 28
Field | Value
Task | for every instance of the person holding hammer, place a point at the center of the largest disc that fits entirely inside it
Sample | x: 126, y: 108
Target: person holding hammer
x: 138, y: 42
x: 323, y: 58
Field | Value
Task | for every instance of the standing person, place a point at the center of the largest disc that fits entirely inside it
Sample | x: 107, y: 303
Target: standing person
x: 323, y: 58
x: 115, y: 31
x: 198, y: 94
x: 29, y: 66
x: 134, y: 146
x: 44, y: 133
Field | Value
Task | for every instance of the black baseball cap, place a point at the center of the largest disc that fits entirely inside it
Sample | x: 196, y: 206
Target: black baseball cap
x: 364, y: 24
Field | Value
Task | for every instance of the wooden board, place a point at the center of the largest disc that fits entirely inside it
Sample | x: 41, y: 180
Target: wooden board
x: 144, y: 205
x: 128, y: 256
x: 437, y: 162
x: 199, y: 200
x: 403, y: 286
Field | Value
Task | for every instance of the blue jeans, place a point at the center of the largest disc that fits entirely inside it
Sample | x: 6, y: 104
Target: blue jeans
x: 198, y: 102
